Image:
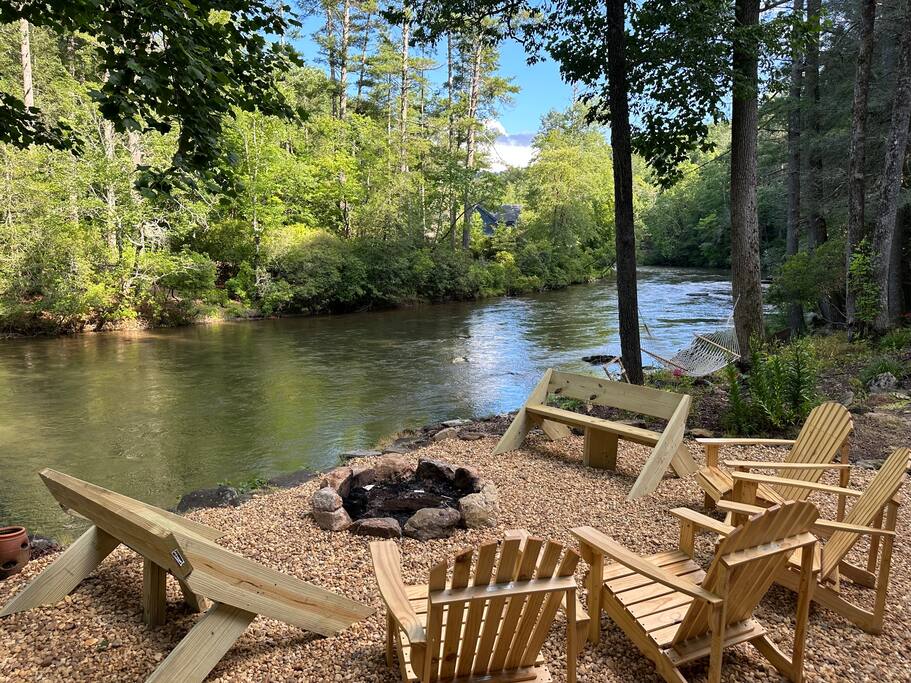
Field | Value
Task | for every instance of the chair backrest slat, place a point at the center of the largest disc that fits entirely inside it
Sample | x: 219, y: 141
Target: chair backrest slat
x: 825, y: 431
x: 882, y: 488
x: 490, y: 635
x: 743, y: 585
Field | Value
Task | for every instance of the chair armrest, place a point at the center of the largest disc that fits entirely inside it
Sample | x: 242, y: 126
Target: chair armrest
x: 830, y: 526
x: 746, y: 442
x: 701, y: 521
x: 388, y: 570
x: 754, y: 464
x: 605, y: 545
x: 784, y: 481
x: 739, y: 508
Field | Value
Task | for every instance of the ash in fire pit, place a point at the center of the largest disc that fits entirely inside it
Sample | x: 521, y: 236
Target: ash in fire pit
x: 393, y: 497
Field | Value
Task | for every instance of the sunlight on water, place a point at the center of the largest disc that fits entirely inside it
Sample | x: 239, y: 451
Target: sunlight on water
x: 156, y: 414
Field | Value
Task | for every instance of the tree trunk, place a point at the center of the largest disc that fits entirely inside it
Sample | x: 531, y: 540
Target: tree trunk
x: 745, y: 267
x: 403, y: 100
x: 795, y: 310
x: 473, y: 95
x: 627, y: 294
x: 817, y: 233
x: 362, y: 72
x: 331, y: 57
x: 857, y: 170
x: 890, y: 187
x: 451, y: 147
x: 343, y: 61
x: 28, y: 92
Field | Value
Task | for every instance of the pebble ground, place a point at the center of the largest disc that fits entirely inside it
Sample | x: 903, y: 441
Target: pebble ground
x: 97, y: 633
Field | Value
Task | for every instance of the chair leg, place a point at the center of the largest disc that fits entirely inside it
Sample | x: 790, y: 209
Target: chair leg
x: 885, y: 564
x: 390, y: 640
x: 777, y: 658
x: 716, y: 620
x: 595, y: 586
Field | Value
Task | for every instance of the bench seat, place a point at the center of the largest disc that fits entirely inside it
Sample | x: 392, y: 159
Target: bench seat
x: 626, y: 432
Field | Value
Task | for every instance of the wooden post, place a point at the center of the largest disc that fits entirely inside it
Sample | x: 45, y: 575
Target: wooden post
x: 844, y: 481
x: 595, y: 586
x: 717, y: 618
x: 600, y: 449
x: 572, y: 648
x: 885, y: 563
x: 804, y: 598
x: 687, y: 537
x: 154, y: 602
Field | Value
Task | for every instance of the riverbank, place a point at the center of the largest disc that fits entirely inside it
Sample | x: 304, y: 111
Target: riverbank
x: 97, y: 632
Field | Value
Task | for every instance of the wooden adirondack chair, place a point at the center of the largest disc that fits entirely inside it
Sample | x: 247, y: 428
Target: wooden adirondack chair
x: 823, y: 436
x: 484, y: 625
x: 675, y: 613
x: 873, y: 514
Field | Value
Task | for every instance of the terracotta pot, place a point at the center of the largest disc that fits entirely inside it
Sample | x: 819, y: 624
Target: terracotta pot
x: 15, y: 550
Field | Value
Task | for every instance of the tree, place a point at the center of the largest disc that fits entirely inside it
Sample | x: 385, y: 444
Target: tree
x: 856, y: 228
x: 745, y: 266
x: 795, y: 310
x: 214, y: 61
x: 890, y: 185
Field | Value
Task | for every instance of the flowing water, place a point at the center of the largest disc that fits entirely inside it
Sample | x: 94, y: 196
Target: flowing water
x: 155, y: 414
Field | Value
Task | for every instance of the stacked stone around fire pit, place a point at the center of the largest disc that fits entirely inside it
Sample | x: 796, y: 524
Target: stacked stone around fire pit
x: 393, y: 496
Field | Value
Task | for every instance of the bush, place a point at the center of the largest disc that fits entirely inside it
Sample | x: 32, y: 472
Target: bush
x: 882, y: 364
x: 782, y: 389
x: 809, y: 278
x: 862, y: 281
x: 897, y: 340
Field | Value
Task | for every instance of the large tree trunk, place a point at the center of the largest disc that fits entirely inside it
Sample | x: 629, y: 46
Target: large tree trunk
x: 627, y: 291
x: 470, y: 137
x: 857, y: 172
x: 890, y: 187
x: 795, y: 310
x: 343, y: 61
x: 403, y: 100
x: 362, y: 71
x: 817, y: 233
x: 331, y: 56
x: 28, y: 92
x: 746, y: 281
x: 451, y: 142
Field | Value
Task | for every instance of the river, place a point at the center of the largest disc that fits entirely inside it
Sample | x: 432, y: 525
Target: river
x: 155, y: 414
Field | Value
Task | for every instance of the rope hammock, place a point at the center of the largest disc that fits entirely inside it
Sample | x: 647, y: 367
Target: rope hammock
x: 706, y: 354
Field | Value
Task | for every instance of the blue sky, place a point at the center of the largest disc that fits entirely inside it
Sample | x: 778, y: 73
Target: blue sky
x: 541, y: 89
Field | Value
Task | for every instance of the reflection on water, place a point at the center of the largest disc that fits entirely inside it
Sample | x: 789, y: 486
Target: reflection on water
x: 155, y: 414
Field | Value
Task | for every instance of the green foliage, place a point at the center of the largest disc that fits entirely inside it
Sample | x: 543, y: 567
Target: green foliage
x: 862, y: 280
x: 897, y: 340
x: 881, y: 364
x: 781, y: 389
x: 810, y: 277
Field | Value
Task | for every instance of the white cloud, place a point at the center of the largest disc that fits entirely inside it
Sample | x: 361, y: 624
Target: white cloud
x: 509, y: 151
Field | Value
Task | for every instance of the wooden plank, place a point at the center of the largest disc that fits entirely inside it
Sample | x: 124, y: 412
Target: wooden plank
x: 531, y: 549
x: 65, y: 573
x: 627, y: 432
x: 555, y: 431
x: 487, y: 554
x: 124, y: 521
x: 664, y: 451
x: 781, y: 481
x: 222, y: 576
x: 600, y: 449
x: 631, y: 397
x: 154, y: 602
x: 388, y: 573
x: 197, y: 603
x: 521, y: 425
x: 204, y: 646
x: 435, y: 613
x: 506, y: 572
x: 461, y: 572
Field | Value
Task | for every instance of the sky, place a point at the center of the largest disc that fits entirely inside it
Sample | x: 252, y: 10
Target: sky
x: 541, y: 89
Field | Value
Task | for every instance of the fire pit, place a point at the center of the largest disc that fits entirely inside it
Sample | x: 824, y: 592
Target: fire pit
x: 393, y: 497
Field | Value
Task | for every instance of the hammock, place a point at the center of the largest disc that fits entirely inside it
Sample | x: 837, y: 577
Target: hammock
x: 706, y: 354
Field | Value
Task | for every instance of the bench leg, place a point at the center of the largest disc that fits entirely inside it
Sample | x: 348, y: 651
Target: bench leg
x: 600, y: 449
x: 154, y: 602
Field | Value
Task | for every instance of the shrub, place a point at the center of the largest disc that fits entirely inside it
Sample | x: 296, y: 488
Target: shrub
x: 882, y: 364
x: 897, y: 340
x: 808, y: 278
x: 862, y: 281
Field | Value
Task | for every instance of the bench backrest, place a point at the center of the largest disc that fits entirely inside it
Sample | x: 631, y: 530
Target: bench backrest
x: 747, y: 561
x: 621, y: 395
x: 884, y: 486
x: 496, y: 616
x: 824, y: 433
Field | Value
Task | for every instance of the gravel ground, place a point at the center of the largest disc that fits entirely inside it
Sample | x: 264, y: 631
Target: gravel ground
x: 97, y: 633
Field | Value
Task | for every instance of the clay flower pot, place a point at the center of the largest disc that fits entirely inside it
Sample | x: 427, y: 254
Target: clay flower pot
x: 15, y: 550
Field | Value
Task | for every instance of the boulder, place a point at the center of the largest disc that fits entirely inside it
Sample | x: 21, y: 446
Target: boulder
x: 378, y: 527
x: 291, y: 479
x: 700, y: 433
x: 482, y: 509
x: 392, y: 469
x: 337, y: 520
x: 219, y: 497
x: 883, y: 383
x: 466, y: 435
x: 326, y: 500
x: 446, y: 433
x: 430, y: 523
x: 459, y: 422
x: 466, y: 479
x: 434, y: 471
x: 362, y: 476
x: 339, y: 479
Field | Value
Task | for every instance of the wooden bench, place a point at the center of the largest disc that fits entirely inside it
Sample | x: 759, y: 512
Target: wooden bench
x: 602, y: 436
x: 169, y: 544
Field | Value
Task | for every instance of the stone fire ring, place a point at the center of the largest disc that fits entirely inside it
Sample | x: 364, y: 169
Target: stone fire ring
x: 456, y: 496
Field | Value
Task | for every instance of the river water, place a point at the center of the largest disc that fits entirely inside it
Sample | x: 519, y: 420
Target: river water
x: 155, y: 414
